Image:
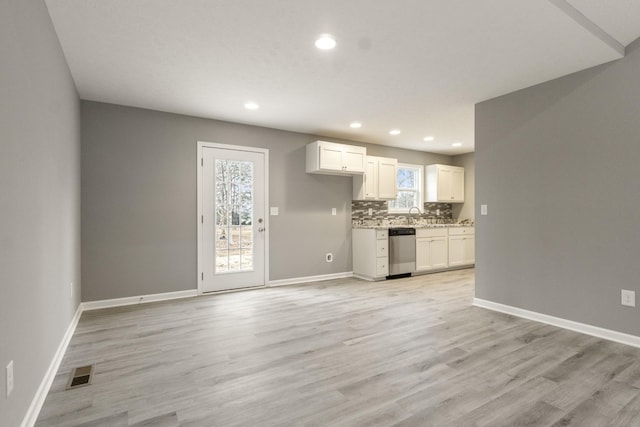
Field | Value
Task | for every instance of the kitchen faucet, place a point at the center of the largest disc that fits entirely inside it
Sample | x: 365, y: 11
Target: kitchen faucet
x: 415, y: 207
x: 411, y: 220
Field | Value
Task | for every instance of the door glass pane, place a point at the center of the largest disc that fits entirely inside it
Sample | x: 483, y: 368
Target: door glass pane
x: 234, y: 216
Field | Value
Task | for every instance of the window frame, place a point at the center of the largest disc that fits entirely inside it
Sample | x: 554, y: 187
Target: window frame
x: 419, y: 190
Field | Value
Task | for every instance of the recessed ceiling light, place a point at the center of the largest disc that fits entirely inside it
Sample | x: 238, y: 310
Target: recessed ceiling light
x: 457, y: 144
x: 394, y: 132
x: 355, y: 125
x: 325, y: 42
x: 429, y: 138
x: 251, y: 106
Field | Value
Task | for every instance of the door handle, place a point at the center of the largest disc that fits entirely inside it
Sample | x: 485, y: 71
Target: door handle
x: 261, y: 229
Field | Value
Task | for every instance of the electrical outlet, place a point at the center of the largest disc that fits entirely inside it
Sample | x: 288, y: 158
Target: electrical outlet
x: 370, y: 211
x: 9, y: 378
x: 329, y: 257
x: 483, y: 209
x: 628, y: 298
x: 274, y: 211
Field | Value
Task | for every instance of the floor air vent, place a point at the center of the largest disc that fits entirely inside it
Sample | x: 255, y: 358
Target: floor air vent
x: 80, y: 377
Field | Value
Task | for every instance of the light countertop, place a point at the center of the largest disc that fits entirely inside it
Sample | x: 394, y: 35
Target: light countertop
x: 387, y: 226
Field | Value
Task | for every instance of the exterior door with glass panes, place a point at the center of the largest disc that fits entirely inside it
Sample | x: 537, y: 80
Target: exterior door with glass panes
x: 232, y: 222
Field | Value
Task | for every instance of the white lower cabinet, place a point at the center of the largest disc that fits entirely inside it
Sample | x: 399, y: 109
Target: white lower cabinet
x: 462, y: 246
x: 436, y: 249
x: 370, y: 253
x: 431, y: 249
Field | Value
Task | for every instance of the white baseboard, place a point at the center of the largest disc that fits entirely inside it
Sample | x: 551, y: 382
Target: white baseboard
x: 41, y: 394
x: 307, y: 279
x: 140, y: 299
x: 595, y: 331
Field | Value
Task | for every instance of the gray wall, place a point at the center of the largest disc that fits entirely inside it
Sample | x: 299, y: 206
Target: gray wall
x: 465, y: 210
x: 139, y: 200
x: 557, y: 165
x: 39, y: 199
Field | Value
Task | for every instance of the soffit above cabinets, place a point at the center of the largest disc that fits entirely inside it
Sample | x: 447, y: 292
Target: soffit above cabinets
x: 416, y: 65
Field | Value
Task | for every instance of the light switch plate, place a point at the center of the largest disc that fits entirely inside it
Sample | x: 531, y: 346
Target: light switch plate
x: 274, y: 210
x: 483, y: 209
x: 334, y: 211
x: 628, y: 298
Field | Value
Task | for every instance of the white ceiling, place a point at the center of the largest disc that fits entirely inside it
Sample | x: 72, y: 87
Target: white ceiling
x: 416, y: 65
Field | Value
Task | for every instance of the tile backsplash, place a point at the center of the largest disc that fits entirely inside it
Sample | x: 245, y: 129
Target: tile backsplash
x: 380, y: 212
x: 430, y: 211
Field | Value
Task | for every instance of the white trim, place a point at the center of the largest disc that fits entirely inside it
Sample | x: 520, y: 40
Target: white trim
x: 140, y: 299
x: 595, y: 331
x: 199, y: 159
x: 370, y: 279
x: 265, y: 151
x: 307, y: 279
x: 31, y: 416
x: 228, y: 291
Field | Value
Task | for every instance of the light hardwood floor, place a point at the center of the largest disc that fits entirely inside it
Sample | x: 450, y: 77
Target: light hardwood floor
x: 409, y: 352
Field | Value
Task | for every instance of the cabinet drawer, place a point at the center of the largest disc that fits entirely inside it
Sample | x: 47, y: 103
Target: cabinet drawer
x: 460, y: 231
x: 381, y: 247
x: 382, y: 234
x: 382, y: 266
x: 431, y: 232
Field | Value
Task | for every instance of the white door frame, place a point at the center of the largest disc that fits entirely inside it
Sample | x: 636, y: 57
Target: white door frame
x: 201, y: 146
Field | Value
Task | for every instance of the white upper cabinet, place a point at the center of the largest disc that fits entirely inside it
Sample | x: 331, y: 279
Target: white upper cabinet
x: 445, y: 184
x: 387, y: 178
x: 378, y: 181
x: 335, y: 159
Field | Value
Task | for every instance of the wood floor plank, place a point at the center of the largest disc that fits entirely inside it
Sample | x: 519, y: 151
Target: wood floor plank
x: 342, y: 352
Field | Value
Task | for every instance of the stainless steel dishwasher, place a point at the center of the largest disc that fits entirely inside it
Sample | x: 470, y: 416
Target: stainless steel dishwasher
x: 402, y: 252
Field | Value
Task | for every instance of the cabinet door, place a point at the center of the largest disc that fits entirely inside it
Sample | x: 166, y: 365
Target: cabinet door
x: 330, y: 157
x: 387, y: 178
x: 423, y: 261
x: 469, y: 250
x: 371, y: 179
x: 354, y: 159
x: 444, y: 184
x: 382, y: 267
x: 382, y: 248
x: 457, y: 184
x: 439, y: 255
x: 456, y: 251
